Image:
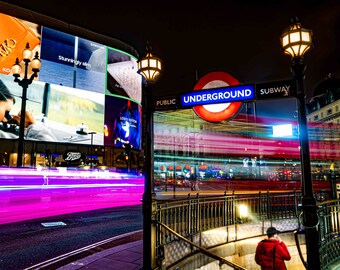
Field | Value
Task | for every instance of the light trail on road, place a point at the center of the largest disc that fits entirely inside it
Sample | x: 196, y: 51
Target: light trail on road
x: 27, y: 194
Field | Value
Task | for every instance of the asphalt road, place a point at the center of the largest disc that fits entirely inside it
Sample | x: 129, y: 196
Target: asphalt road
x: 25, y: 244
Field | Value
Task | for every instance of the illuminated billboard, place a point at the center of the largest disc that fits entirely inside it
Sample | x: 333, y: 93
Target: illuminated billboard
x: 79, y: 82
x: 14, y: 36
x: 123, y: 122
x: 122, y: 76
x: 72, y: 61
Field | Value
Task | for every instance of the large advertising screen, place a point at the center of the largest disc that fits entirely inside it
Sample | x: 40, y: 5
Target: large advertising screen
x: 122, y: 122
x: 80, y: 81
x: 72, y: 61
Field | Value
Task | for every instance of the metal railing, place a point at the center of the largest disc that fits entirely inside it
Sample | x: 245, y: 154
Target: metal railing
x: 203, y: 250
x: 329, y: 232
x: 193, y: 216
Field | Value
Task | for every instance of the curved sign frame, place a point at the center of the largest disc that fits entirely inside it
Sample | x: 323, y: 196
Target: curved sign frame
x: 224, y: 111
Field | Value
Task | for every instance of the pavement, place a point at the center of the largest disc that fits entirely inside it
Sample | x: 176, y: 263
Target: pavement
x: 126, y: 255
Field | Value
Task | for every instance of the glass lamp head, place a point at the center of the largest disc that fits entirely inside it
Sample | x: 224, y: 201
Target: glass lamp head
x: 296, y: 41
x: 27, y: 53
x: 150, y: 66
x: 16, y: 68
x: 36, y: 63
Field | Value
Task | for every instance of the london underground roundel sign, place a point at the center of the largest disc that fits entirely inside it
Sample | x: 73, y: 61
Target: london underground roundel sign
x: 221, y: 111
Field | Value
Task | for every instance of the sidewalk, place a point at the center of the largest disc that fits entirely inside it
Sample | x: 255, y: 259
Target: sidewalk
x: 128, y: 256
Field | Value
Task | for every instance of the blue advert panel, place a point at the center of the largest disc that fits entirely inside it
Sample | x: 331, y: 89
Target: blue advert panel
x: 219, y: 95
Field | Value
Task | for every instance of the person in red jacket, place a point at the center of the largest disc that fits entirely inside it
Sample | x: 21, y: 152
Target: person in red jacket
x: 272, y: 251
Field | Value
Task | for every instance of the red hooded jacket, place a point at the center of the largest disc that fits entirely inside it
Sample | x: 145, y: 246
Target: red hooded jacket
x: 264, y: 255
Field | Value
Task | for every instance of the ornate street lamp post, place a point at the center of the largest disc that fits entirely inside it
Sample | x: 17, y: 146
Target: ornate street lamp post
x: 83, y: 131
x: 296, y: 41
x: 149, y: 67
x: 35, y: 64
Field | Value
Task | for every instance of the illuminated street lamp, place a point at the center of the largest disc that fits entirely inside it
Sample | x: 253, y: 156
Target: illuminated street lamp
x: 149, y: 67
x: 296, y: 41
x: 35, y: 64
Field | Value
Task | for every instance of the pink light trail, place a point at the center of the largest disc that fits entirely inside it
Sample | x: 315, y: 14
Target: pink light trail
x: 27, y: 194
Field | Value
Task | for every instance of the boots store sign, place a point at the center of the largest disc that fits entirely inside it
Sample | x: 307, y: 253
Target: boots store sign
x: 73, y: 156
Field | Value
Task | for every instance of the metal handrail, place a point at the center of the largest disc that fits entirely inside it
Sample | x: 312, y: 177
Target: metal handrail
x: 198, y: 214
x: 297, y: 243
x: 329, y: 232
x: 188, y: 217
x: 202, y: 249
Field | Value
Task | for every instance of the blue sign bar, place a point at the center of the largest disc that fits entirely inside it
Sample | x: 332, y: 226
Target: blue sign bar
x: 219, y: 95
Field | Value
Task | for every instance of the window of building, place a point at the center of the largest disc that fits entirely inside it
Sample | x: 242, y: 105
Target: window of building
x: 316, y: 117
x: 330, y: 97
x: 329, y: 112
x: 322, y: 115
x: 336, y: 108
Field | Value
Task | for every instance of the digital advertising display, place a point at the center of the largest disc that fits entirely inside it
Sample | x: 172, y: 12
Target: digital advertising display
x: 72, y: 61
x: 79, y: 82
x: 122, y: 76
x: 123, y: 122
x: 14, y: 36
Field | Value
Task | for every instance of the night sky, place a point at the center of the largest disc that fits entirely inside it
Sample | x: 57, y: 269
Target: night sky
x: 196, y: 37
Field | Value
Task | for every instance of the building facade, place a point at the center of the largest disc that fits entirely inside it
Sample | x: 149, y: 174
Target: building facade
x: 323, y: 114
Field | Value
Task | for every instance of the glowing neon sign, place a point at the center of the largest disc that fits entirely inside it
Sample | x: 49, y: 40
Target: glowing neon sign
x: 220, y: 95
x: 219, y: 111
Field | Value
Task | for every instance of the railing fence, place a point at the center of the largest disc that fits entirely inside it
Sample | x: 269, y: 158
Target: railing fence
x: 192, y: 216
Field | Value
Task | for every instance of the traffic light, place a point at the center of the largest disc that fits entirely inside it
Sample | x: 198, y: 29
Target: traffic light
x: 127, y: 147
x: 106, y: 131
x: 127, y: 153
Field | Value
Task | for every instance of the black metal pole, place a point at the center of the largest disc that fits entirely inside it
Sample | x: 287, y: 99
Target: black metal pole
x: 91, y: 150
x: 309, y: 208
x: 332, y: 182
x: 24, y: 84
x: 130, y: 162
x: 149, y: 196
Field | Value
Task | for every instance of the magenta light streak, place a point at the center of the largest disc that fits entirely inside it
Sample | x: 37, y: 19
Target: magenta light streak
x: 236, y: 145
x: 29, y: 194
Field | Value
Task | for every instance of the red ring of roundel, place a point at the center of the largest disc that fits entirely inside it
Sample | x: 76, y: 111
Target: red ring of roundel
x: 226, y: 114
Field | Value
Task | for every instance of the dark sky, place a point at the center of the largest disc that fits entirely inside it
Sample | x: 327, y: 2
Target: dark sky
x: 196, y: 37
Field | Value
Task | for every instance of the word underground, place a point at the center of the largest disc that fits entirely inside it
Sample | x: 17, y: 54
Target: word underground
x: 221, y: 95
